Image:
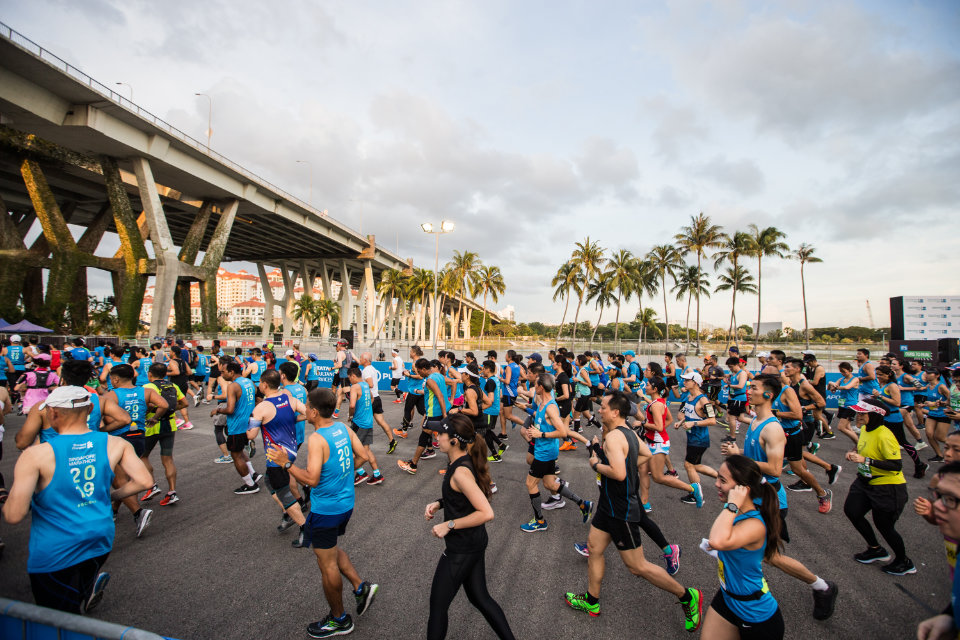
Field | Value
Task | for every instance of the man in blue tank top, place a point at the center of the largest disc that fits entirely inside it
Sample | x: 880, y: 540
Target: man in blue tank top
x: 66, y: 484
x: 698, y: 415
x: 241, y: 399
x: 333, y: 453
x: 276, y: 418
x: 361, y: 421
x: 435, y: 403
x: 765, y: 442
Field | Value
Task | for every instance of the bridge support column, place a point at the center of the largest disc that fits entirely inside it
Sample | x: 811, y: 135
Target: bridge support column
x: 289, y: 297
x: 188, y: 254
x: 308, y: 278
x: 268, y: 301
x: 466, y: 325
x: 211, y: 263
x: 168, y: 263
x: 12, y: 269
x: 88, y: 243
x: 130, y: 282
x: 346, y: 304
x: 371, y: 291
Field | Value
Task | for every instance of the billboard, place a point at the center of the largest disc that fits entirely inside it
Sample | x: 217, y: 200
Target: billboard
x: 925, y: 317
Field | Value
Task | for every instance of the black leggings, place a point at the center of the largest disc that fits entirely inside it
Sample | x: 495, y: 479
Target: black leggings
x: 652, y: 530
x: 467, y: 570
x: 886, y: 503
x: 311, y: 385
x: 413, y: 400
x: 897, y: 429
x: 67, y: 588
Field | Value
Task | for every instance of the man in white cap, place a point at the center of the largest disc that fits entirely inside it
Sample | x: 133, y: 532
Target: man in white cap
x: 291, y: 356
x: 396, y: 373
x: 67, y: 481
x: 699, y: 415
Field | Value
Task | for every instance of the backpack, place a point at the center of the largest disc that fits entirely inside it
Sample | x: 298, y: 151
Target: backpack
x: 40, y: 380
x: 348, y: 360
x: 169, y: 393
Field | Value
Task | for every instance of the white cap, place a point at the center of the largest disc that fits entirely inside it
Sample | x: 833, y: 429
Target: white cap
x: 290, y: 352
x: 693, y: 375
x: 69, y: 397
x: 807, y: 352
x: 464, y: 369
x: 15, y: 337
x: 395, y: 350
x: 763, y: 354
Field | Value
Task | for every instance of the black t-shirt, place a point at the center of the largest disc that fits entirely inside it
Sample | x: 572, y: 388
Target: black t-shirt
x: 561, y: 380
x: 715, y: 376
x: 456, y: 505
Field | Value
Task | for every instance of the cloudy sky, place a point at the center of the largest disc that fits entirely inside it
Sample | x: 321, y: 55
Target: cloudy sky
x: 534, y: 124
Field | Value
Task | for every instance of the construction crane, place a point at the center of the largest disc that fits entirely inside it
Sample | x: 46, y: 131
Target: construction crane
x: 870, y: 316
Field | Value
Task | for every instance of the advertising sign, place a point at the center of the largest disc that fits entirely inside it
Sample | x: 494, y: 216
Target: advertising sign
x: 926, y: 317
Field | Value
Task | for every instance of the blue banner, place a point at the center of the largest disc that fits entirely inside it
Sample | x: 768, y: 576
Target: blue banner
x: 325, y: 368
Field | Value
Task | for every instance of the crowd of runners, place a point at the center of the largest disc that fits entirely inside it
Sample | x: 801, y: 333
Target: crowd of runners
x: 758, y: 427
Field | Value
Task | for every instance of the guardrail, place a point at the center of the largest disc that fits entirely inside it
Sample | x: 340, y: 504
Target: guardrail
x: 23, y: 621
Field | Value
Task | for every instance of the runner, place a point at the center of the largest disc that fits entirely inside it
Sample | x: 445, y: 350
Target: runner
x: 371, y: 378
x: 817, y: 376
x: 889, y: 394
x: 908, y: 386
x: 436, y: 409
x: 464, y: 498
x: 618, y: 515
x: 945, y: 500
x: 35, y: 385
x: 736, y: 382
x: 276, y: 419
x: 342, y: 360
x: 880, y: 487
x: 288, y: 378
x: 698, y: 416
x: 656, y: 437
x: 545, y: 434
x: 414, y: 399
x: 333, y: 451
x: 200, y: 377
x: 70, y: 539
x: 161, y: 427
x: 240, y: 401
x: 361, y: 421
x: 312, y: 372
x: 510, y: 379
x: 744, y: 535
x: 582, y: 408
x: 491, y: 391
x: 396, y: 374
x: 936, y: 399
x: 179, y: 373
x: 848, y: 387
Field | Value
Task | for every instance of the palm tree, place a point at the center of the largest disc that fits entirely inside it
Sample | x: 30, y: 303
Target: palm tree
x: 392, y: 287
x: 648, y: 321
x: 804, y: 253
x: 419, y: 284
x: 303, y: 311
x: 697, y: 238
x: 622, y: 274
x: 732, y: 250
x: 565, y: 281
x: 601, y: 291
x: 765, y: 242
x: 490, y: 281
x: 646, y: 284
x: 737, y: 279
x: 664, y: 260
x: 587, y: 257
x: 462, y: 268
x: 326, y: 314
x: 692, y: 283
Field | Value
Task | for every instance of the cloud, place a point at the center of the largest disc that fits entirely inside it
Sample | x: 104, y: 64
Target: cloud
x: 742, y: 176
x: 678, y: 128
x: 604, y: 163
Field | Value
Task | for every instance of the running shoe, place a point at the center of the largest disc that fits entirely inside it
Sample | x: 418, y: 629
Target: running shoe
x: 921, y: 470
x: 800, y: 485
x: 392, y: 446
x: 697, y: 494
x: 582, y: 549
x: 900, y: 567
x: 554, y: 503
x: 828, y: 435
x: 586, y: 508
x: 824, y: 601
x: 96, y: 594
x: 143, y: 520
x: 533, y: 526
x: 647, y: 507
x: 689, y: 499
x: 400, y: 433
x: 251, y: 449
x: 205, y: 401
x: 672, y: 559
x: 493, y: 487
x: 196, y: 401
x: 813, y: 447
x: 871, y: 555
x: 920, y: 445
x: 359, y: 478
x: 398, y: 401
x: 826, y: 502
x: 180, y: 422
x: 789, y: 472
x: 568, y: 446
x: 428, y: 454
x: 693, y: 610
x: 935, y: 459
x: 494, y: 458
x: 330, y: 626
x: 365, y: 595
x: 170, y: 498
x: 243, y: 489
x: 503, y: 436
x: 835, y: 470
x: 502, y: 449
x: 672, y: 472
x: 579, y: 602
x: 375, y: 479
x: 285, y: 522
x: 150, y: 493
x: 256, y: 477
x: 441, y: 472
x: 300, y: 542
x: 407, y: 465
x: 223, y: 460
x: 186, y: 426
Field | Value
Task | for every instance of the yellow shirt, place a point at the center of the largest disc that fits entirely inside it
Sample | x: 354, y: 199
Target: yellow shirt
x: 155, y: 429
x: 879, y: 444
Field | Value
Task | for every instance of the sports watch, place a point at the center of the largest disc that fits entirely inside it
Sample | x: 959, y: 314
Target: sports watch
x: 731, y: 507
x: 287, y: 465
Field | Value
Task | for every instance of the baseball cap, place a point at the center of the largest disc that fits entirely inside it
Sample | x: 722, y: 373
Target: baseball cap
x: 870, y: 405
x: 491, y: 354
x: 312, y: 356
x: 734, y: 348
x: 69, y: 397
x: 15, y: 338
x: 629, y: 352
x: 763, y: 354
x: 807, y: 352
x: 535, y: 356
x: 693, y: 375
x: 42, y: 356
x: 290, y: 352
x: 447, y: 429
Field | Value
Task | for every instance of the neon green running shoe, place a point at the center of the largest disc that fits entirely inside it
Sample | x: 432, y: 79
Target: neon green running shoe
x: 579, y: 602
x: 693, y: 610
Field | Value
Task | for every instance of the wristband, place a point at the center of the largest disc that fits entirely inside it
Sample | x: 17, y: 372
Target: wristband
x: 594, y: 466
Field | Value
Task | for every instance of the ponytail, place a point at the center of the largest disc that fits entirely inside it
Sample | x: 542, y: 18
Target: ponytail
x: 745, y: 471
x: 465, y: 437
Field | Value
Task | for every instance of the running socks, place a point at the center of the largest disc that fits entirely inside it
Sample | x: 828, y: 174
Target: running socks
x: 566, y: 492
x: 590, y: 599
x: 250, y: 468
x: 820, y: 584
x: 535, y: 501
x: 248, y: 479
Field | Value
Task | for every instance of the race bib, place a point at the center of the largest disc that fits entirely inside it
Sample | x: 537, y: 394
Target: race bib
x: 720, y: 574
x: 841, y: 402
x: 864, y: 470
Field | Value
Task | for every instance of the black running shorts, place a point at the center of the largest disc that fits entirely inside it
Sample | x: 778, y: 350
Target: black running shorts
x: 793, y: 450
x: 625, y: 535
x: 770, y: 629
x: 736, y: 407
x: 694, y: 454
x: 236, y: 442
x: 321, y: 531
x: 542, y: 468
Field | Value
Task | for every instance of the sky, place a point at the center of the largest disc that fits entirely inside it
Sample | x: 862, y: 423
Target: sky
x: 532, y: 125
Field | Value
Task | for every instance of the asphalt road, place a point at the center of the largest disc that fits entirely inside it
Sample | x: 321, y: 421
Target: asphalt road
x: 214, y: 565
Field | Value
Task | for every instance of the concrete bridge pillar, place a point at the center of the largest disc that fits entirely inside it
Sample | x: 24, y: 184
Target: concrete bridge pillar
x: 346, y: 302
x: 168, y: 262
x: 188, y: 254
x: 211, y: 263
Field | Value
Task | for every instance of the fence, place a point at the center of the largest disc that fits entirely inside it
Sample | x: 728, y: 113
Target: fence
x: 23, y: 621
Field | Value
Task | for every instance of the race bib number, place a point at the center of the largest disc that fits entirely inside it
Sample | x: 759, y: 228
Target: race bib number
x: 841, y: 402
x: 720, y: 574
x: 864, y: 470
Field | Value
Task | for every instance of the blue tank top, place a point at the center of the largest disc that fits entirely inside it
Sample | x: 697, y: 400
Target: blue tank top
x: 414, y: 384
x: 261, y: 366
x: 934, y: 395
x: 737, y: 395
x: 894, y: 412
x: 790, y: 427
x: 363, y: 410
x: 494, y: 408
x: 79, y: 353
x: 633, y: 369
x: 906, y: 397
x: 132, y: 401
x: 696, y: 436
x: 683, y: 393
x: 300, y: 393
x: 72, y: 518
x: 143, y: 365
x: 545, y: 449
x: 334, y: 493
x: 280, y: 431
x: 848, y: 397
x: 741, y: 572
x: 48, y: 434
x: 433, y: 401
x: 93, y: 420
x: 313, y: 371
x: 15, y: 353
x: 867, y: 388
x: 755, y: 451
x: 591, y: 372
x: 239, y: 420
x: 202, y: 368
x: 511, y: 390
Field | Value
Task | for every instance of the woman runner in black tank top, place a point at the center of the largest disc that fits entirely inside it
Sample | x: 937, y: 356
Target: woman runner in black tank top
x: 465, y: 510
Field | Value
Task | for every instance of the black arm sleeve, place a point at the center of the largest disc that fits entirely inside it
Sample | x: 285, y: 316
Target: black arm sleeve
x: 887, y: 465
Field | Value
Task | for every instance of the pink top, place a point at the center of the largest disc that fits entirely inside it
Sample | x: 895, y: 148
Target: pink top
x: 35, y: 393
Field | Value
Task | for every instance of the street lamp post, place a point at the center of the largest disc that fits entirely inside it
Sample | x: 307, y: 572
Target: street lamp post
x: 445, y: 227
x: 309, y: 166
x: 128, y: 87
x: 209, y: 117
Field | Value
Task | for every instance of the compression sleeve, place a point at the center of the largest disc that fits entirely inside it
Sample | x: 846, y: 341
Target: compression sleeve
x: 253, y: 423
x: 887, y: 465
